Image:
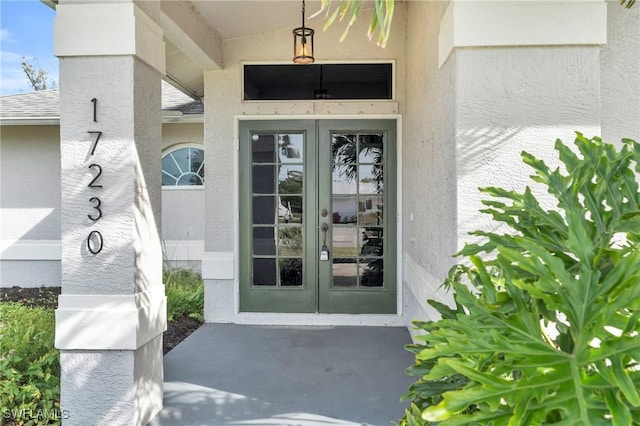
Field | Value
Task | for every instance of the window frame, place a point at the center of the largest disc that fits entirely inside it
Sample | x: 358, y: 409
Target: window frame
x: 173, y: 148
x: 392, y: 62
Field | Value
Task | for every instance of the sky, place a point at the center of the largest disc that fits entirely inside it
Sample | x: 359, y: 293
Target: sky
x: 26, y: 29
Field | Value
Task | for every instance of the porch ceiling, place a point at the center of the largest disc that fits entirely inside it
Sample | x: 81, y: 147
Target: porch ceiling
x: 196, y: 29
x: 238, y: 18
x: 223, y: 19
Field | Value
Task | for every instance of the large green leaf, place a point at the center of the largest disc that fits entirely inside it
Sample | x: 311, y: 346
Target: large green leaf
x: 545, y: 328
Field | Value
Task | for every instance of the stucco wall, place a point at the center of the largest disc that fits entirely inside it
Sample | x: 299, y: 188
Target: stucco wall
x: 620, y: 79
x: 30, y: 205
x: 183, y: 207
x: 515, y: 99
x: 428, y: 164
x: 30, y: 183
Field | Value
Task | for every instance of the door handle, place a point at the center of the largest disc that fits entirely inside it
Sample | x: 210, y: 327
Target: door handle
x: 324, y: 252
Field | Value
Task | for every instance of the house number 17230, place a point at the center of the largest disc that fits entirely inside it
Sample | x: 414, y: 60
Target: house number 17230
x: 95, y: 240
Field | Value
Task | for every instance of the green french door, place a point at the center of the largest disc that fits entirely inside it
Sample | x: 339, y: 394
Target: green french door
x: 318, y: 216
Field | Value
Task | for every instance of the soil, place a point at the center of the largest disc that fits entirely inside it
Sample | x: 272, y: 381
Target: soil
x: 178, y: 329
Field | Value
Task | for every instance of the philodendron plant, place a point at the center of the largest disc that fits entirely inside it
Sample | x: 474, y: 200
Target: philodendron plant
x: 546, y: 320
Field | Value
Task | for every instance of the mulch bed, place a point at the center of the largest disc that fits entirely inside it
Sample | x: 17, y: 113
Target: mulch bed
x: 177, y: 330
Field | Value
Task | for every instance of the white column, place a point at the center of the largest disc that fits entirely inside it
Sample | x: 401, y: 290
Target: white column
x: 111, y: 313
x: 527, y: 73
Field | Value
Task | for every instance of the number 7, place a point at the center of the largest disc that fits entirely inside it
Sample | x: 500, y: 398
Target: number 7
x: 95, y: 143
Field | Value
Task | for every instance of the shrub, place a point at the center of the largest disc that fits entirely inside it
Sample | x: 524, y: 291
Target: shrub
x: 29, y: 365
x: 185, y: 294
x: 545, y: 327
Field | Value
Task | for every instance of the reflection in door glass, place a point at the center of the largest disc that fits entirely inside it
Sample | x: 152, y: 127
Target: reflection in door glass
x: 345, y: 272
x: 345, y: 208
x: 371, y: 273
x: 344, y: 179
x: 370, y: 179
x: 291, y: 148
x: 370, y: 211
x: 370, y: 148
x: 290, y: 241
x: 357, y: 205
x: 345, y: 241
x: 290, y: 180
x: 290, y: 272
x: 278, y: 197
x: 371, y: 242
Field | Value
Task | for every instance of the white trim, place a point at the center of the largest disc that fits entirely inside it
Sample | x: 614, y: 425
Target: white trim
x: 218, y: 266
x: 399, y: 223
x: 183, y: 250
x: 309, y: 319
x: 30, y: 250
x: 183, y: 187
x: 110, y: 322
x: 55, y: 121
x: 472, y: 23
x: 252, y: 318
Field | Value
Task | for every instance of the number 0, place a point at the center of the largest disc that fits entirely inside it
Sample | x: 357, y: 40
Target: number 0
x: 94, y: 242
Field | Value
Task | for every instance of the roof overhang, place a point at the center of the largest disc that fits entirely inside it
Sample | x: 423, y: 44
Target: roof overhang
x: 194, y: 32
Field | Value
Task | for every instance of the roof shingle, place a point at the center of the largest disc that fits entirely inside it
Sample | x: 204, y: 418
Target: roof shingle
x: 46, y: 103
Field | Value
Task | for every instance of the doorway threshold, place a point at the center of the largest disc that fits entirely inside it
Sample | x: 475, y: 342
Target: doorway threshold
x: 269, y: 318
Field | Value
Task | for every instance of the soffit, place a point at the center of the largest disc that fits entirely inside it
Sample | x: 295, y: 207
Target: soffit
x: 231, y: 19
x: 238, y: 18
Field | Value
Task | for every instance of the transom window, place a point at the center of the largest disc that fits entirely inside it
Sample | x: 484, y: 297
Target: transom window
x: 282, y: 82
x: 183, y: 167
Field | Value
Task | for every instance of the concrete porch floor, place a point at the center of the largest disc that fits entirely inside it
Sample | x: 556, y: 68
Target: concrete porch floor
x: 226, y: 374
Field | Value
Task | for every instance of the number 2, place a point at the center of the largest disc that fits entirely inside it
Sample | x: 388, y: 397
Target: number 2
x: 92, y: 184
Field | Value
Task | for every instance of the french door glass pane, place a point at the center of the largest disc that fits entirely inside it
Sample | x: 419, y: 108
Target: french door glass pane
x: 263, y: 149
x: 264, y: 179
x: 290, y: 272
x: 345, y: 272
x: 264, y: 209
x: 264, y: 240
x: 277, y: 185
x: 264, y: 271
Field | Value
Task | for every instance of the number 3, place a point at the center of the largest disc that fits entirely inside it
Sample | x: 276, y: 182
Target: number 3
x: 97, y: 207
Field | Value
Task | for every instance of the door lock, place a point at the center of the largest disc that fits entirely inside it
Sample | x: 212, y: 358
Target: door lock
x: 324, y: 252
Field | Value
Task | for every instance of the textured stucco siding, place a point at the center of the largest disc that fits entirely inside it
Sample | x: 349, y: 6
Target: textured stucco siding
x: 428, y: 163
x: 515, y: 99
x: 183, y: 207
x: 29, y: 183
x: 30, y: 205
x: 620, y: 79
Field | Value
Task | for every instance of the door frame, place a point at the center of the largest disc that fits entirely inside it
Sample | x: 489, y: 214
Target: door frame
x: 319, y: 318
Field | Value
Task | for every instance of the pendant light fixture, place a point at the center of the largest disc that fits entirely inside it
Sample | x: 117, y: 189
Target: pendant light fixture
x: 303, y: 43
